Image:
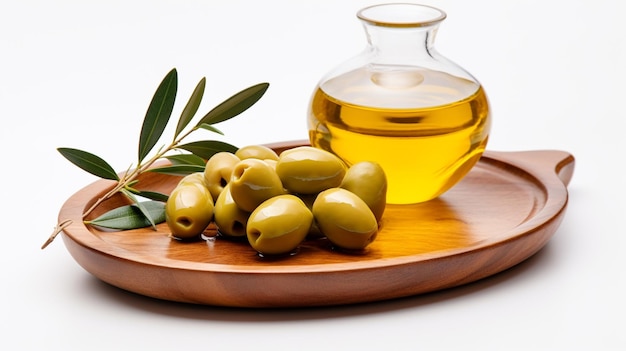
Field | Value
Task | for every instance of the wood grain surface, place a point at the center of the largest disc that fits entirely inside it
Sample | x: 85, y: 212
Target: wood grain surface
x: 501, y: 213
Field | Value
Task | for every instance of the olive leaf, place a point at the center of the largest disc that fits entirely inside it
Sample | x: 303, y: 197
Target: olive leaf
x: 210, y: 128
x: 131, y: 216
x: 208, y: 148
x: 181, y: 165
x: 191, y: 108
x: 153, y: 195
x: 89, y: 162
x: 178, y: 170
x: 185, y: 159
x: 158, y: 113
x: 139, y: 205
x: 148, y: 194
x: 235, y: 104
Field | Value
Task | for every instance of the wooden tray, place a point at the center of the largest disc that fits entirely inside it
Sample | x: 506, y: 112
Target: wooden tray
x: 501, y: 213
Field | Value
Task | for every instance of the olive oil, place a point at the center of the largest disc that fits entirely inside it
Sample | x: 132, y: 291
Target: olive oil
x: 426, y: 128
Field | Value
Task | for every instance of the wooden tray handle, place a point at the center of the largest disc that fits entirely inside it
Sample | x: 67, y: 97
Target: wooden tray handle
x: 545, y: 162
x: 565, y: 168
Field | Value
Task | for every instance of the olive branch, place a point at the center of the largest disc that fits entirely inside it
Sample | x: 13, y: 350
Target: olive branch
x: 192, y: 159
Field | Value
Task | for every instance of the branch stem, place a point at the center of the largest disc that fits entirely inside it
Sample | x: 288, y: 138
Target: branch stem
x: 127, y: 178
x: 123, y: 183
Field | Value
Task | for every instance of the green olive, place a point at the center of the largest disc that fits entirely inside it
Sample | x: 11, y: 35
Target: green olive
x: 279, y: 225
x: 271, y: 163
x: 197, y: 177
x: 252, y: 182
x: 189, y: 210
x: 309, y: 170
x: 345, y: 219
x: 218, y: 170
x: 229, y: 218
x: 368, y: 181
x: 259, y: 152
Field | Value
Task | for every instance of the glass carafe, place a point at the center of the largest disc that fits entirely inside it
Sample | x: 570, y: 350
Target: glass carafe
x: 400, y: 103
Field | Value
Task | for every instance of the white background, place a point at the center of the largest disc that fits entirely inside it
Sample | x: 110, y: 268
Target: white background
x: 81, y: 74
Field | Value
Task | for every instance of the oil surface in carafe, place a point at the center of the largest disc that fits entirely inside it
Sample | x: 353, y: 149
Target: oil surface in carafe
x: 426, y: 128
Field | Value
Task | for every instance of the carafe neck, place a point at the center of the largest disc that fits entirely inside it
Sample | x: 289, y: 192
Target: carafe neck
x: 400, y: 33
x: 400, y: 45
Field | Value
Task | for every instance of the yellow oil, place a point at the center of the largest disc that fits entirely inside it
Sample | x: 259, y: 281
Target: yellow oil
x: 427, y: 129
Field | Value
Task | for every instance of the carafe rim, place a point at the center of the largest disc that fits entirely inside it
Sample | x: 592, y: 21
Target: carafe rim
x: 401, y: 15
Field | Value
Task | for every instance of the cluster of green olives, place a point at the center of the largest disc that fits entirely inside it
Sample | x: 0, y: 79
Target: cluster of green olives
x: 277, y: 201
